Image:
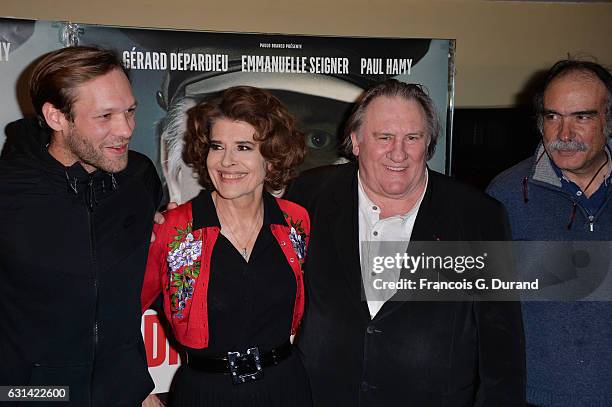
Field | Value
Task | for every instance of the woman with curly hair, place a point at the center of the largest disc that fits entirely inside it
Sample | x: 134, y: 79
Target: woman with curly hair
x: 229, y: 262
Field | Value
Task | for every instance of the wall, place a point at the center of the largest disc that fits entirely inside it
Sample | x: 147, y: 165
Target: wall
x: 500, y: 44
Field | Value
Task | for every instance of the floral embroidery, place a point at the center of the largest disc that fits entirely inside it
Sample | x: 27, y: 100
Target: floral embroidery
x: 297, y: 236
x: 183, y: 269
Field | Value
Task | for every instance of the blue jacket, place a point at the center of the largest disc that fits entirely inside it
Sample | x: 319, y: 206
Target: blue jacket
x: 568, y: 344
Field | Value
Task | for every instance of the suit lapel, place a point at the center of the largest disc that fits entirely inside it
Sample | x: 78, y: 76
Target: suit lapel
x: 425, y: 224
x: 343, y: 218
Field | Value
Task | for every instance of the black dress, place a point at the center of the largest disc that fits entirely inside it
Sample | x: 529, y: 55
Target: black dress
x: 249, y: 304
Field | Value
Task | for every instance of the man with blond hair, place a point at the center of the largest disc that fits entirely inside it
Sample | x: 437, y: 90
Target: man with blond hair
x: 75, y: 220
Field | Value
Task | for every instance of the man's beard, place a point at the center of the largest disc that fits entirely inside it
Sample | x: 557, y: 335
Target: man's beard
x: 89, y: 154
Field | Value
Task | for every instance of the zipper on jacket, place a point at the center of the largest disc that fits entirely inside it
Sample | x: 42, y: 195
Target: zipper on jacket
x: 599, y: 213
x: 90, y: 203
x: 586, y: 214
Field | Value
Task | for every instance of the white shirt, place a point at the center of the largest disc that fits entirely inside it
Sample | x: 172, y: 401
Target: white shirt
x: 382, y: 237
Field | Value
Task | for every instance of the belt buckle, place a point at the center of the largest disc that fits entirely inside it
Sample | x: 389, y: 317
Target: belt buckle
x: 245, y: 367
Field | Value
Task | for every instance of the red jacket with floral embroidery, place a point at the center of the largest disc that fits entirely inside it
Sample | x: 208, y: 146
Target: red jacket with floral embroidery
x: 179, y: 267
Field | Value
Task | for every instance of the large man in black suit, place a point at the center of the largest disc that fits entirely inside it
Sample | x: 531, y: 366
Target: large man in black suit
x: 378, y: 352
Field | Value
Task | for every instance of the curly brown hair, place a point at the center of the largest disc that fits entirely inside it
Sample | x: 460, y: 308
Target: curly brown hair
x: 280, y: 143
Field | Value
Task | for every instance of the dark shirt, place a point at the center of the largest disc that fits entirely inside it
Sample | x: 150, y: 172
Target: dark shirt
x: 249, y: 303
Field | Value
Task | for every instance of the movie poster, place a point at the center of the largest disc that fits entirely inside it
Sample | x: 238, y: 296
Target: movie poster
x: 317, y: 78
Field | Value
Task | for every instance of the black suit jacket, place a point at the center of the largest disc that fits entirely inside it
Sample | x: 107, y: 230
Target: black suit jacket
x: 413, y: 353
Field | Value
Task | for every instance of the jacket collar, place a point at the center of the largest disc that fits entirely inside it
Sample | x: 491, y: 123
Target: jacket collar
x: 543, y: 170
x: 205, y: 214
x: 27, y: 142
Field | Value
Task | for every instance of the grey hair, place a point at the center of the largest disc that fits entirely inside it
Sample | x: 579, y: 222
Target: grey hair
x: 394, y: 88
x: 568, y: 66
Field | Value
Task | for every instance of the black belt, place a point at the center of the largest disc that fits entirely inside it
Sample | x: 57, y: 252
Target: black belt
x: 243, y: 367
